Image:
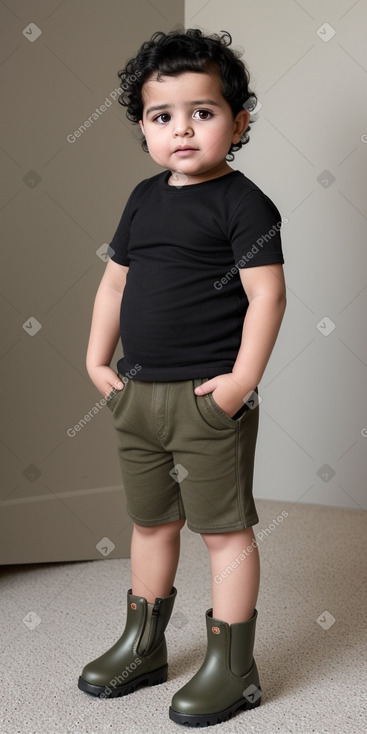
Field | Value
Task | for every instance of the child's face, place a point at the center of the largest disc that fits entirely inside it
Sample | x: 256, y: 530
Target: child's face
x: 189, y: 111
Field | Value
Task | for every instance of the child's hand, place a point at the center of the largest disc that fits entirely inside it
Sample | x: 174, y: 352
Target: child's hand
x: 227, y: 392
x: 105, y: 379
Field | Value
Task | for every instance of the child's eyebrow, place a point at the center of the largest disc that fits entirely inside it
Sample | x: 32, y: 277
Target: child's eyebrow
x: 158, y: 107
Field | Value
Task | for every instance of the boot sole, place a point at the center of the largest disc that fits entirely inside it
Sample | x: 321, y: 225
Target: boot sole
x: 211, y: 719
x: 149, y: 679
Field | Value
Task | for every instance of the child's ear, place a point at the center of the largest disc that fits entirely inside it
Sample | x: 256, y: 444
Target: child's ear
x: 241, y: 122
x: 141, y: 126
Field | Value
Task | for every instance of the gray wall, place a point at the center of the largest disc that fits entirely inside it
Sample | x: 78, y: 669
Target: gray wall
x: 60, y: 202
x: 308, y: 151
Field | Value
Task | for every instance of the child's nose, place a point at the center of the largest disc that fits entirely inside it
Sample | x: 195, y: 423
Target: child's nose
x: 182, y: 126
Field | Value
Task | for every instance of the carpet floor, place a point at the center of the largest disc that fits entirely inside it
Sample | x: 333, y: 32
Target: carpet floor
x: 310, y: 648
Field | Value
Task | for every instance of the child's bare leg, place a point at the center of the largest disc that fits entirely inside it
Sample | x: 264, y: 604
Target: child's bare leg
x: 235, y: 591
x: 154, y: 557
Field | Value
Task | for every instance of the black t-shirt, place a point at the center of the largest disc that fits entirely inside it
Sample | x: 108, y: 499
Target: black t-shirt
x: 183, y: 305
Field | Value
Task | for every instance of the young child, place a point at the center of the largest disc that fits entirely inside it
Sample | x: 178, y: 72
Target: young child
x: 196, y: 267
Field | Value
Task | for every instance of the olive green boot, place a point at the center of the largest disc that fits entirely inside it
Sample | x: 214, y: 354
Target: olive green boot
x: 228, y: 679
x: 139, y: 656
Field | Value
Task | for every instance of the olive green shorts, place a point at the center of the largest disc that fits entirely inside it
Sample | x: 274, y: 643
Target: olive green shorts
x: 183, y: 457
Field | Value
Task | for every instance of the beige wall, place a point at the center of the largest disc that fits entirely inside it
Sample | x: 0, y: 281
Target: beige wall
x: 308, y: 151
x: 60, y: 201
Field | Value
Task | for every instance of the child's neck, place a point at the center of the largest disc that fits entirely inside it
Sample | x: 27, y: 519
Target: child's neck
x: 178, y: 178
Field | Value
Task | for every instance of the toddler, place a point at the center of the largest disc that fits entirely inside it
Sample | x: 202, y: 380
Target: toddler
x: 194, y: 287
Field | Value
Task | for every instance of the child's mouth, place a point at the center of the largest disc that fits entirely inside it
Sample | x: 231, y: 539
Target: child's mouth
x: 183, y: 152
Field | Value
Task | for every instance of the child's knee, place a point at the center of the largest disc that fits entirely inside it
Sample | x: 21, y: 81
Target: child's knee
x: 214, y: 541
x: 168, y: 530
x: 219, y: 541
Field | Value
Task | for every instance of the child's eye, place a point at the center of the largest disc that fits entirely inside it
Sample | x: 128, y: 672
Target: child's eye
x: 162, y: 118
x: 203, y: 114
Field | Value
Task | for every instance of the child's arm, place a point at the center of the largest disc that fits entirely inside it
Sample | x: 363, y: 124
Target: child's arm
x: 265, y: 289
x: 105, y: 328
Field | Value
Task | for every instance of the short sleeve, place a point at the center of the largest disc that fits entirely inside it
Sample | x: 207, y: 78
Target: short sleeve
x: 118, y: 247
x: 254, y: 231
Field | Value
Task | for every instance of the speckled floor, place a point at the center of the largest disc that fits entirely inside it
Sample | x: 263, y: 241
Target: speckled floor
x: 310, y: 642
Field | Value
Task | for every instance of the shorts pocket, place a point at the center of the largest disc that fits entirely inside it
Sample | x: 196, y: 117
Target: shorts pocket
x: 215, y: 416
x: 210, y: 411
x: 221, y: 413
x: 241, y: 414
x: 114, y: 396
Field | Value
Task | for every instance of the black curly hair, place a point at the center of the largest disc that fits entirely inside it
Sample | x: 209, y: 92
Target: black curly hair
x: 176, y: 52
